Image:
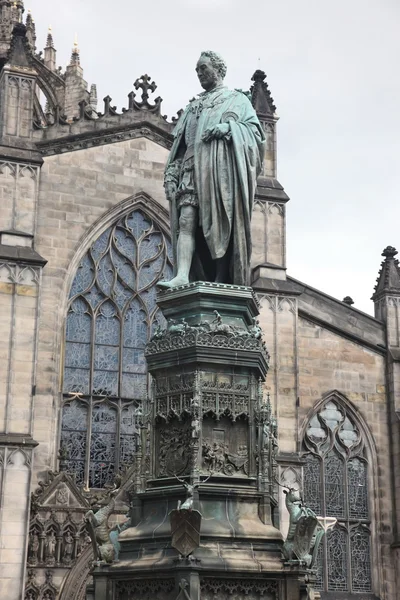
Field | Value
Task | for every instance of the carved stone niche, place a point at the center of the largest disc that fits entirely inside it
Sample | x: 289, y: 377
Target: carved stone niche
x: 173, y: 441
x: 225, y: 447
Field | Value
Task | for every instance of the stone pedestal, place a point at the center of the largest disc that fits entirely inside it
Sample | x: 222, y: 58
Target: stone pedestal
x: 207, y: 425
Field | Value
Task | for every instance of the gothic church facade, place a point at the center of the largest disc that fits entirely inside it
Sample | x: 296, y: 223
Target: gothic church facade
x: 84, y: 238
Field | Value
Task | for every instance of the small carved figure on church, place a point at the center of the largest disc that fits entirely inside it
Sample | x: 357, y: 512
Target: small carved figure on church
x: 190, y: 488
x: 304, y: 533
x: 50, y: 548
x: 62, y: 494
x: 68, y: 547
x: 99, y: 530
x: 256, y: 330
x: 175, y: 327
x: 34, y: 548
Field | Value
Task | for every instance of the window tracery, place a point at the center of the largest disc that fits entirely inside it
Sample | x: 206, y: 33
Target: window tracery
x: 112, y: 314
x: 336, y: 485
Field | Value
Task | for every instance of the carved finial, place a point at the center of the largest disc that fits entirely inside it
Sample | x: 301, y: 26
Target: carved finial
x: 389, y: 252
x: 50, y: 42
x: 261, y: 96
x: 348, y: 300
x: 146, y: 85
x: 75, y: 60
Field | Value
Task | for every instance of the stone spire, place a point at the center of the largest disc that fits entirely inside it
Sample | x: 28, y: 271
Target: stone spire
x: 75, y: 58
x: 388, y: 281
x: 75, y: 85
x: 261, y: 96
x: 31, y: 30
x: 265, y: 108
x: 50, y: 52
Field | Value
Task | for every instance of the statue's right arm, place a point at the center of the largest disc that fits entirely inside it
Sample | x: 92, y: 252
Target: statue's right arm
x: 171, y: 178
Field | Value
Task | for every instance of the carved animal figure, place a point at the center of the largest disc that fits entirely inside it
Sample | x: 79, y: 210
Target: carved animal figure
x: 97, y: 524
x: 305, y: 533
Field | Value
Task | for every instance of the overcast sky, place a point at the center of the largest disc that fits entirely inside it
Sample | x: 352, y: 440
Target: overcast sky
x: 332, y: 69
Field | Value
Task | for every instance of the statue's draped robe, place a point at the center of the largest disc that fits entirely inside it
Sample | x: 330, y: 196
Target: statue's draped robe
x: 225, y: 173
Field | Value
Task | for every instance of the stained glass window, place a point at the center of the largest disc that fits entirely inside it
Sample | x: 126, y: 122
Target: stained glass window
x: 336, y: 485
x: 111, y: 314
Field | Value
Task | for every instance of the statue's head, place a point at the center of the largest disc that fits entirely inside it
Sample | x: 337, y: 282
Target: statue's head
x: 210, y: 69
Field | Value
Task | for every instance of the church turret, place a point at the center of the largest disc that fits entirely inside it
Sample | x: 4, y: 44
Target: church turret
x: 269, y: 219
x: 17, y: 92
x: 265, y: 109
x: 31, y: 30
x: 11, y: 12
x: 386, y: 295
x: 75, y: 85
x: 50, y: 53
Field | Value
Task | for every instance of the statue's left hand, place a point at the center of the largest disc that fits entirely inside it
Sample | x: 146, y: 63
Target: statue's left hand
x: 216, y: 133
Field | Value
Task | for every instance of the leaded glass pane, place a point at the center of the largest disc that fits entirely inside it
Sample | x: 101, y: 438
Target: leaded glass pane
x: 84, y: 276
x: 76, y: 381
x: 112, y: 314
x: 344, y: 495
x: 103, y: 445
x: 128, y: 436
x: 334, y: 486
x: 337, y: 560
x: 360, y: 560
x: 79, y: 322
x: 312, y: 483
x: 357, y: 484
x: 135, y: 325
x: 73, y: 439
x: 134, y: 386
x: 319, y: 567
x: 107, y: 325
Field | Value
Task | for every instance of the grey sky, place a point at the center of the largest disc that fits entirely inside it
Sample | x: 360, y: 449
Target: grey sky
x: 332, y: 70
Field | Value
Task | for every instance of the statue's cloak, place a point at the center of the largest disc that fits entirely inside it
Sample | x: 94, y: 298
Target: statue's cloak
x: 226, y: 171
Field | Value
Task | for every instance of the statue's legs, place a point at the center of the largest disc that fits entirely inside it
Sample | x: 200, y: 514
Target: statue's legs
x: 188, y: 219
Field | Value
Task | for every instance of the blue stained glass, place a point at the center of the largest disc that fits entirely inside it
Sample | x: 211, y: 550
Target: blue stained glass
x: 106, y: 358
x: 135, y: 325
x: 84, y: 276
x: 107, y: 325
x: 149, y: 297
x: 76, y: 380
x: 105, y: 275
x: 150, y: 247
x: 133, y: 361
x: 79, y: 322
x: 77, y: 355
x: 128, y: 420
x: 100, y: 245
x: 125, y: 243
x: 105, y: 383
x: 108, y: 280
x: 73, y: 439
x: 94, y: 296
x: 125, y: 270
x: 138, y: 223
x: 150, y: 272
x: 134, y: 386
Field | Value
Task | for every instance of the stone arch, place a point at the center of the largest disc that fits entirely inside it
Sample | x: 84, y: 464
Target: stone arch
x: 133, y: 237
x: 141, y: 200
x: 366, y: 450
x: 74, y: 586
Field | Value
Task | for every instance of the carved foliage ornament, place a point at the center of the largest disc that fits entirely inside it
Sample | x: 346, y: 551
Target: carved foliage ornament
x: 232, y: 588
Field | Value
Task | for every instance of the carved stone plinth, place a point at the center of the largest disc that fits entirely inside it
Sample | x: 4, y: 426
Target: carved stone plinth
x: 209, y: 445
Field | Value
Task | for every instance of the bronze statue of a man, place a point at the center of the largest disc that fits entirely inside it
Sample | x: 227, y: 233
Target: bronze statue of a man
x: 210, y: 181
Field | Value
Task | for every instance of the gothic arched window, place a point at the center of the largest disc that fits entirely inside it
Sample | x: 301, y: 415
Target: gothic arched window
x: 336, y: 485
x: 112, y: 314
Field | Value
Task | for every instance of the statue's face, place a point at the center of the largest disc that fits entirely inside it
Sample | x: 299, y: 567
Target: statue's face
x: 208, y: 76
